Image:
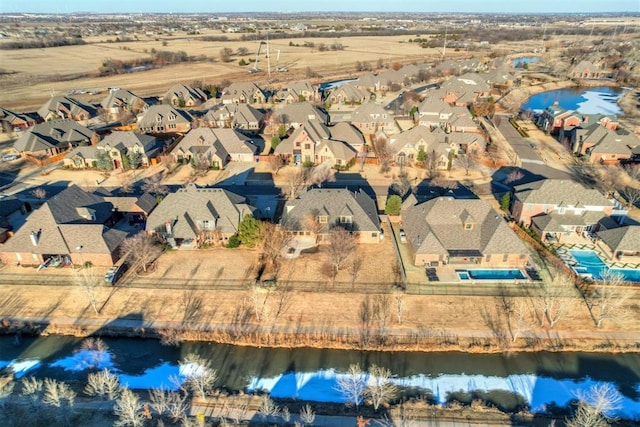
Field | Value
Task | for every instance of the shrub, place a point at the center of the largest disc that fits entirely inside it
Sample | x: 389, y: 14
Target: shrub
x: 234, y: 242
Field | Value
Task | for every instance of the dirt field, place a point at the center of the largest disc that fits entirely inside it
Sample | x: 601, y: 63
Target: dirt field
x: 33, y: 84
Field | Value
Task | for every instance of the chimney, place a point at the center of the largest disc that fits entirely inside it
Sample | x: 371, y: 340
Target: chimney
x: 34, y: 238
x: 167, y: 226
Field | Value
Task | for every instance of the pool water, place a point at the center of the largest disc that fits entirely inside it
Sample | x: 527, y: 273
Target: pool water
x: 491, y: 274
x: 589, y: 262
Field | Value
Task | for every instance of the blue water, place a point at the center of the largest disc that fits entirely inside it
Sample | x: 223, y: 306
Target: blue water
x: 481, y: 274
x: 518, y: 62
x: 589, y: 262
x: 596, y: 100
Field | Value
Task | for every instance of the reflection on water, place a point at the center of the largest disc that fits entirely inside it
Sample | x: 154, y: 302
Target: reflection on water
x: 596, y: 100
x: 537, y: 378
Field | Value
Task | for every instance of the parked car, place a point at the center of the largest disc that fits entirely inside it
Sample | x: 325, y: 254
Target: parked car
x: 403, y: 236
x: 115, y: 273
x: 9, y: 157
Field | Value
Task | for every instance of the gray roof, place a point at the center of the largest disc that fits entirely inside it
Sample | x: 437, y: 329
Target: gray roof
x: 301, y: 112
x: 348, y: 133
x: 121, y: 98
x: 333, y: 203
x: 625, y: 238
x: 437, y: 227
x: 127, y: 204
x: 53, y: 134
x: 560, y: 192
x: 84, y: 151
x: 160, y: 114
x: 222, y: 142
x: 187, y: 93
x: 189, y: 206
x: 63, y: 224
x: 124, y: 141
x: 75, y: 106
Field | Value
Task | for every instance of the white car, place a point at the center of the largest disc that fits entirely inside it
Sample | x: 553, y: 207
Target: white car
x: 9, y: 157
x: 403, y: 236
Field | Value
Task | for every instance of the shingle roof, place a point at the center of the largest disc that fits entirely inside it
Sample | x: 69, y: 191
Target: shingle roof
x: 437, y: 227
x: 625, y: 238
x: 191, y: 204
x: 123, y: 141
x: 52, y: 134
x: 301, y: 112
x: 331, y: 202
x: 75, y: 106
x: 557, y: 191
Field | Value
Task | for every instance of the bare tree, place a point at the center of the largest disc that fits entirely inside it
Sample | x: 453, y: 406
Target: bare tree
x: 355, y: 267
x: 384, y: 153
x: 39, y: 193
x: 32, y: 388
x: 103, y: 384
x: 89, y: 280
x: 631, y: 195
x: 58, y: 394
x: 352, y: 385
x: 296, y: 180
x: 555, y: 303
x: 382, y: 313
x: 596, y: 407
x: 274, y: 241
x: 171, y: 403
x: 141, y: 250
x: 104, y: 115
x: 259, y: 297
x: 154, y: 185
x: 514, y: 176
x: 399, y: 299
x: 276, y: 164
x: 607, y: 299
x: 341, y: 246
x: 268, y: 408
x: 366, y: 316
x: 307, y: 416
x: 201, y: 163
x: 200, y: 376
x: 128, y: 409
x: 321, y: 174
x: 380, y: 390
x: 465, y: 162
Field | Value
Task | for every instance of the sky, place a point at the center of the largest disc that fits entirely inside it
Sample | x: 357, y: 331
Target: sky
x: 219, y: 6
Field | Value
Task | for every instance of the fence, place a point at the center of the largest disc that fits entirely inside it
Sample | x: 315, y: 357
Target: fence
x: 47, y: 160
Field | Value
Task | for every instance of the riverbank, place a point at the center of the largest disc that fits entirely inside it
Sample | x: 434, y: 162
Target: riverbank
x: 427, y: 323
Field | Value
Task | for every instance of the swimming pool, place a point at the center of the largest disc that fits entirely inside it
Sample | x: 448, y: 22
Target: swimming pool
x: 588, y: 262
x: 491, y: 274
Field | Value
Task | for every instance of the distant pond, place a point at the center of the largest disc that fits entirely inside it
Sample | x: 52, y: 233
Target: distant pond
x: 519, y: 62
x: 595, y: 100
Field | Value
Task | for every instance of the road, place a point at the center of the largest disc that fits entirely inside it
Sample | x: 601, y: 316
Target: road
x: 529, y: 157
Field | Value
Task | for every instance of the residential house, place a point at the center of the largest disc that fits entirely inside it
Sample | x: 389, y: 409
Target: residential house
x: 461, y: 232
x: 621, y: 244
x: 391, y: 78
x: 370, y: 118
x: 294, y: 115
x: 11, y: 208
x: 182, y: 96
x: 559, y: 121
x: 120, y: 100
x: 465, y: 89
x: 64, y: 107
x: 133, y: 208
x: 74, y: 226
x: 602, y: 145
x: 317, y: 211
x: 297, y: 92
x: 53, y: 137
x: 220, y: 146
x: 11, y: 121
x: 193, y: 216
x: 165, y: 119
x: 243, y: 93
x: 434, y: 112
x: 585, y: 70
x: 368, y: 82
x: 128, y: 148
x: 314, y: 142
x: 82, y: 157
x: 348, y: 93
x: 243, y: 117
x: 557, y: 208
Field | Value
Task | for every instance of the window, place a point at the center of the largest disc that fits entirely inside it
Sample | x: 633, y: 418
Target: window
x: 374, y: 234
x: 18, y: 257
x: 505, y: 257
x: 206, y: 225
x: 468, y: 226
x: 346, y: 219
x: 322, y: 219
x: 172, y: 117
x: 307, y: 146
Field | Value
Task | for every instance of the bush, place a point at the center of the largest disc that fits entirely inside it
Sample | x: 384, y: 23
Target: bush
x: 393, y: 205
x: 234, y: 242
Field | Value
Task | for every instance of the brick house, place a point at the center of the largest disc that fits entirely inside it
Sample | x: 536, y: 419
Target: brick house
x: 556, y: 207
x: 315, y: 212
x: 53, y: 137
x: 448, y: 231
x: 64, y: 107
x: 165, y: 119
x: 74, y: 226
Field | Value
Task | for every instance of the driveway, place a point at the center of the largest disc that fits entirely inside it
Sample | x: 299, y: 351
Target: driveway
x: 529, y: 157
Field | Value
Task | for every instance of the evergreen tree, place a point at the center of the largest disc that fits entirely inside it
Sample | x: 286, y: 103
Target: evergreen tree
x: 250, y: 231
x: 393, y: 205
